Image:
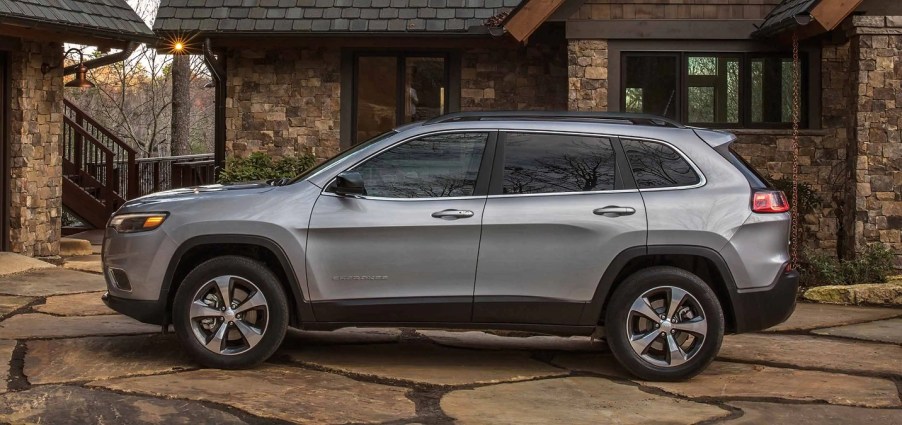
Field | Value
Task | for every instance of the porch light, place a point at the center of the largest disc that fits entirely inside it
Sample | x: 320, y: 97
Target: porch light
x: 81, y: 75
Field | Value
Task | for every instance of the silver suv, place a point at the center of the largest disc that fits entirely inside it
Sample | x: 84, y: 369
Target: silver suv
x: 655, y: 235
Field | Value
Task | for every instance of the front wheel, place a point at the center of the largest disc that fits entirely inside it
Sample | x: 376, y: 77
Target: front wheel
x: 664, y: 324
x: 230, y: 312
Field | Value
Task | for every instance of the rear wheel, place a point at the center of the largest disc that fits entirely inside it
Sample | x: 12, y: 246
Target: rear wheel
x: 230, y: 312
x: 664, y: 324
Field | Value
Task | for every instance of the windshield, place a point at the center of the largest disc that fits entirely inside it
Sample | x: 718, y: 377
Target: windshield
x: 331, y: 161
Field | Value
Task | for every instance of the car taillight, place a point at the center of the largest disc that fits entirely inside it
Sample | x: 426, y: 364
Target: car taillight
x: 769, y: 201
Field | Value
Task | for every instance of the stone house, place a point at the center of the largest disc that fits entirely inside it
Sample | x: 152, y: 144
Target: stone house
x: 32, y: 37
x: 321, y: 75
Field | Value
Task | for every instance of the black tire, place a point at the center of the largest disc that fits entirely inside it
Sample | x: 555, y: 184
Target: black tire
x: 276, y: 317
x: 619, y: 322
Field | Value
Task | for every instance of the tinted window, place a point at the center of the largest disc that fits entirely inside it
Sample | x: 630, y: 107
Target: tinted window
x: 547, y: 163
x: 658, y: 165
x: 430, y: 167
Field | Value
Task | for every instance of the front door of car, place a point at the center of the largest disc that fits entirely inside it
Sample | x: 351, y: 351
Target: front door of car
x: 560, y: 208
x: 406, y: 250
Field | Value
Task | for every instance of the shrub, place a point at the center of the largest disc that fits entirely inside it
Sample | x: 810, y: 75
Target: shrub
x: 260, y: 166
x: 873, y: 265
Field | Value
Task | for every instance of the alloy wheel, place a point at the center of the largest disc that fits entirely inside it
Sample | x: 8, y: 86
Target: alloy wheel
x: 666, y: 326
x: 229, y: 315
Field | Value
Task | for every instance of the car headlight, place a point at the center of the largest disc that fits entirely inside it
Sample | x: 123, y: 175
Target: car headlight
x: 141, y: 222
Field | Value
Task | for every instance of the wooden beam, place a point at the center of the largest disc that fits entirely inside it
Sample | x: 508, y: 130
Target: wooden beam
x: 830, y: 13
x: 530, y: 16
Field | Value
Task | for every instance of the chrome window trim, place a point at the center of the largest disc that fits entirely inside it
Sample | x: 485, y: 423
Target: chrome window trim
x: 533, y: 195
x: 402, y: 141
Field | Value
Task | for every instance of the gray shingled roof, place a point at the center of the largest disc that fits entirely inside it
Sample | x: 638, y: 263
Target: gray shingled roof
x: 782, y: 18
x: 342, y: 16
x: 109, y: 17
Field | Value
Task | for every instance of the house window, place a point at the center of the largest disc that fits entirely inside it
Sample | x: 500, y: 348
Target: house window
x: 732, y: 90
x: 394, y: 89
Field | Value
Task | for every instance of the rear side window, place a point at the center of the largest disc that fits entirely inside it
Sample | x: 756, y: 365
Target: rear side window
x: 555, y: 163
x: 656, y: 165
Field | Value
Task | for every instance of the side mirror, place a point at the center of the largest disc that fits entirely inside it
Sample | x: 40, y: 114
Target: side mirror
x: 349, y: 183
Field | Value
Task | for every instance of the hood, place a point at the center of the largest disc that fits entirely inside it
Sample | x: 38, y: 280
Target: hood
x: 199, y: 192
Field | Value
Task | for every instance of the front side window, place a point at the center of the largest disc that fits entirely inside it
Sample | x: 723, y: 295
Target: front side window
x: 552, y: 163
x: 656, y: 165
x: 435, y: 166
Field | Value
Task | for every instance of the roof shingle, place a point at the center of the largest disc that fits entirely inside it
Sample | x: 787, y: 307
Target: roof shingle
x: 783, y: 17
x: 107, y: 16
x: 354, y: 16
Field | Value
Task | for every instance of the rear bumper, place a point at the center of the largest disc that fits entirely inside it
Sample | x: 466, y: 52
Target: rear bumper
x: 757, y: 310
x: 152, y: 311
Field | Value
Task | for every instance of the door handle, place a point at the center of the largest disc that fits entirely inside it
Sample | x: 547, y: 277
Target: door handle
x: 614, y: 211
x: 452, y: 214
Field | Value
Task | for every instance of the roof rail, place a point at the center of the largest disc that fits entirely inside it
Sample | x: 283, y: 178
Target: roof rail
x: 608, y: 117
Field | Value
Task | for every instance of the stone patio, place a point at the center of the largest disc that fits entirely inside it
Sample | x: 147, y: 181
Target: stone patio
x: 71, y: 360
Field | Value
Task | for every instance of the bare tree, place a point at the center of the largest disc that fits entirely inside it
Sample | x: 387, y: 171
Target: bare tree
x: 181, y: 104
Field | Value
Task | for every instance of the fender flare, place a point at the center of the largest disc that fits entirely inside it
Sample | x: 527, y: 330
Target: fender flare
x: 592, y: 312
x: 302, y: 307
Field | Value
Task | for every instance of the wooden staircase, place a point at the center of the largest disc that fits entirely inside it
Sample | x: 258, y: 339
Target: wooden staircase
x: 99, y: 170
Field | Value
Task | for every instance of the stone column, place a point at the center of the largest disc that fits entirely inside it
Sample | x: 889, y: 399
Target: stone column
x: 588, y: 75
x: 35, y: 156
x: 876, y: 145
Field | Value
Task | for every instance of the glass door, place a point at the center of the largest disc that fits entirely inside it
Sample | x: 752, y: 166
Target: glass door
x: 395, y: 89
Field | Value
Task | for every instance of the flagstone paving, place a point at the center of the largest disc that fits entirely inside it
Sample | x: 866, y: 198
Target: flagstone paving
x: 814, y: 353
x: 54, y: 404
x: 574, y: 400
x: 757, y: 413
x: 71, y: 360
x: 809, y: 316
x: 880, y: 331
x: 86, y: 304
x: 11, y: 303
x: 55, y: 281
x: 38, y: 325
x: 426, y: 363
x: 280, y: 392
x: 93, y: 358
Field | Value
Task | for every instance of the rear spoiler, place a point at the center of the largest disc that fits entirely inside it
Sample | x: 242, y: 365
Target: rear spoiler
x: 717, y: 139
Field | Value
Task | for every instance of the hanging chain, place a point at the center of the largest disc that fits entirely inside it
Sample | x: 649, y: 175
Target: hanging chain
x: 796, y: 112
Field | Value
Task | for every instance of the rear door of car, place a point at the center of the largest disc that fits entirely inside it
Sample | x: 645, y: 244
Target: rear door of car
x: 561, y: 206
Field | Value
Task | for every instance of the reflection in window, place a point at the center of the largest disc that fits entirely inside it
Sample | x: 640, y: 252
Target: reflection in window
x: 658, y: 165
x: 771, y: 90
x: 713, y: 89
x: 430, y: 167
x: 424, y: 94
x: 548, y: 163
x: 650, y: 84
x: 376, y: 99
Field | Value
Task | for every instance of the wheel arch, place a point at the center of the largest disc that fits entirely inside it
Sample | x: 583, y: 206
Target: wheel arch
x: 198, y: 249
x: 705, y: 262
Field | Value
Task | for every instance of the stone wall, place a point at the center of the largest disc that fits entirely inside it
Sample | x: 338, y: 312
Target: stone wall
x: 516, y: 78
x: 283, y: 101
x: 877, y: 151
x: 587, y: 62
x: 35, y: 157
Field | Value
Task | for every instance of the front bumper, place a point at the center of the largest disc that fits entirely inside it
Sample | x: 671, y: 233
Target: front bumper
x: 147, y: 311
x: 758, y: 310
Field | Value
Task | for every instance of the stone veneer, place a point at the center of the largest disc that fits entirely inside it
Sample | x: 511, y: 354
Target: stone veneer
x: 516, y: 78
x: 876, y: 151
x: 283, y: 101
x: 588, y: 75
x: 35, y: 160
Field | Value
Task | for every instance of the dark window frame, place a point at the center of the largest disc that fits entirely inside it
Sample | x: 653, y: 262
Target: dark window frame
x: 401, y: 61
x: 745, y: 85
